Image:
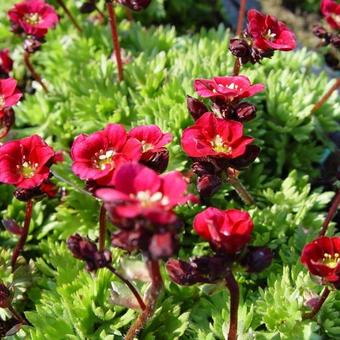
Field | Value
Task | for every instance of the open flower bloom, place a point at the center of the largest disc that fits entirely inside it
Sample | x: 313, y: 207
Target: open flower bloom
x: 230, y: 88
x: 6, y: 63
x: 96, y: 156
x: 135, y: 5
x: 9, y: 94
x: 34, y: 17
x: 26, y: 162
x: 322, y: 258
x: 268, y: 33
x: 331, y: 11
x: 226, y: 230
x: 216, y: 137
x: 141, y: 192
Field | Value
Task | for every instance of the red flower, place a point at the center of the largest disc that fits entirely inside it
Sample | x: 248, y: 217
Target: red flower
x: 322, y: 258
x: 228, y: 231
x: 26, y: 162
x: 211, y: 136
x: 6, y: 63
x: 331, y: 11
x: 140, y: 191
x: 9, y: 94
x: 34, y: 17
x: 96, y: 156
x: 230, y: 88
x: 268, y: 33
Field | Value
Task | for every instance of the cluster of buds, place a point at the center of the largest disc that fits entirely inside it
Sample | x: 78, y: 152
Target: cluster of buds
x: 216, y: 141
x: 263, y: 36
x: 32, y: 19
x: 228, y: 233
x: 9, y: 96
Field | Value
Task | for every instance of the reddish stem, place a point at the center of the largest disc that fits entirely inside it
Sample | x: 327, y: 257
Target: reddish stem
x: 34, y: 73
x: 240, y: 22
x: 316, y: 309
x: 23, y: 237
x: 323, y: 100
x: 130, y: 286
x: 239, y: 187
x: 155, y: 289
x: 115, y: 39
x: 102, y: 227
x: 17, y: 315
x: 69, y: 14
x: 234, y: 303
x: 331, y: 213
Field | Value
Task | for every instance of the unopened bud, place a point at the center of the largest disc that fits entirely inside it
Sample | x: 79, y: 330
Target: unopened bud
x: 257, y: 259
x: 157, y: 161
x: 135, y: 5
x: 196, y: 108
x: 245, y: 112
x: 240, y: 48
x: 208, y: 185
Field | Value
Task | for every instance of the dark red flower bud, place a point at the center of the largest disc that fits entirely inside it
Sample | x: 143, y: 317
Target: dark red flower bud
x: 163, y: 246
x: 135, y: 5
x: 208, y: 185
x: 128, y: 240
x: 196, y: 108
x: 240, y: 49
x: 332, y: 61
x: 6, y: 62
x: 180, y: 272
x: 88, y: 7
x: 86, y: 250
x: 32, y: 44
x: 157, y: 161
x: 320, y: 32
x: 25, y: 195
x: 202, y: 168
x: 245, y: 112
x: 7, y: 119
x: 252, y: 152
x: 16, y: 28
x: 335, y: 40
x: 5, y: 296
x: 257, y: 259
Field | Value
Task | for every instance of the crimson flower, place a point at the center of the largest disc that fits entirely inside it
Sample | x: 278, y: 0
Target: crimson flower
x: 331, y: 11
x: 135, y: 5
x: 322, y: 258
x: 268, y: 33
x: 96, y: 156
x: 212, y: 136
x: 26, y: 162
x: 153, y: 140
x: 141, y: 192
x: 227, y: 231
x: 9, y: 94
x: 6, y: 63
x: 230, y: 88
x: 34, y: 17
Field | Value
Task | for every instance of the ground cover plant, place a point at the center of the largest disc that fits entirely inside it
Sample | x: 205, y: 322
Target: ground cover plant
x: 164, y: 182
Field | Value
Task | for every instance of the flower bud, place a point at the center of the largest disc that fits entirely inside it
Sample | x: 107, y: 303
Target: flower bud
x: 163, y: 246
x: 135, y: 5
x: 7, y: 119
x: 245, y: 112
x: 5, y: 296
x: 208, y: 185
x: 6, y: 63
x: 25, y: 195
x: 88, y: 7
x: 32, y: 44
x: 195, y: 107
x: 202, y: 168
x: 320, y: 32
x: 335, y: 40
x: 180, y: 272
x: 252, y: 152
x: 240, y: 48
x: 257, y: 259
x: 157, y: 161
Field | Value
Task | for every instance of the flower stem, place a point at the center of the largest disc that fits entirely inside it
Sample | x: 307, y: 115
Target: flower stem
x: 323, y: 100
x: 130, y: 286
x: 23, y: 237
x: 153, y: 293
x: 17, y: 315
x: 115, y: 39
x: 102, y: 227
x: 240, y: 22
x: 331, y: 213
x: 234, y: 303
x: 34, y: 73
x: 239, y: 187
x: 69, y: 14
x: 316, y: 309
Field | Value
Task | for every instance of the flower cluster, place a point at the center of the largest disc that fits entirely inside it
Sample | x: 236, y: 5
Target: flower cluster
x: 33, y: 19
x: 97, y: 156
x: 141, y: 205
x: 264, y: 35
x: 322, y: 258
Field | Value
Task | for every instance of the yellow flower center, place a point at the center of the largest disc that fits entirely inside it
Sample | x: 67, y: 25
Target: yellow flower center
x: 33, y: 18
x: 2, y: 102
x: 219, y: 145
x: 146, y: 146
x: 104, y: 159
x: 336, y: 18
x: 147, y: 199
x: 28, y: 169
x: 331, y: 261
x: 270, y: 35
